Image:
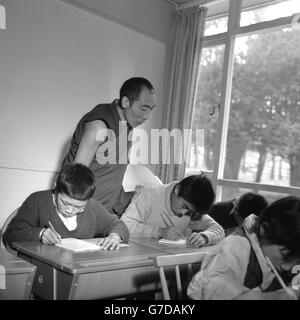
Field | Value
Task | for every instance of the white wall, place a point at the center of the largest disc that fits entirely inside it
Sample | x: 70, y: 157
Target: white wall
x: 57, y: 62
x: 151, y: 17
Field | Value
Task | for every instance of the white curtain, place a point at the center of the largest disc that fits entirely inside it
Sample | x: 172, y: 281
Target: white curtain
x: 183, y: 62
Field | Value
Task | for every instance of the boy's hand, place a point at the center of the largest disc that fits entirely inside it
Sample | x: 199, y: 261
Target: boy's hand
x: 50, y: 237
x: 196, y: 240
x: 110, y: 243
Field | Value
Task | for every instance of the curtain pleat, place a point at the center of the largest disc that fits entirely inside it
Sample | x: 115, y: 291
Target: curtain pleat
x: 183, y: 62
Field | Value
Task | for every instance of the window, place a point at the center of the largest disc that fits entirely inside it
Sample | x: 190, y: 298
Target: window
x: 269, y: 12
x: 207, y: 111
x: 253, y: 141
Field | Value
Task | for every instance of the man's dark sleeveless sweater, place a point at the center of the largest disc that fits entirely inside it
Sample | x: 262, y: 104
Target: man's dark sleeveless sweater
x: 108, y: 177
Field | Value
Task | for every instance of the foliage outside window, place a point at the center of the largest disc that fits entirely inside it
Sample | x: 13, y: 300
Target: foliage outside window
x: 262, y: 150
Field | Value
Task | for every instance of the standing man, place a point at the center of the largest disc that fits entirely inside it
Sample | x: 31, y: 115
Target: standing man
x: 98, y: 140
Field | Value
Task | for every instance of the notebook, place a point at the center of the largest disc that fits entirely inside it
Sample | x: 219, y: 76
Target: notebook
x: 77, y: 245
x: 180, y: 242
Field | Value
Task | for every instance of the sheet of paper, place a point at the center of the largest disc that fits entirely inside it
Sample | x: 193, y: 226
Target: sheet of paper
x: 180, y: 242
x: 137, y: 175
x: 77, y: 245
x: 123, y: 245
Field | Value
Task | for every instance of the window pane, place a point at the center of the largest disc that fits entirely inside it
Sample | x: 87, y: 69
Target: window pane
x: 208, y: 94
x: 263, y: 143
x: 271, y: 12
x: 216, y: 26
x: 217, y: 18
x: 232, y: 193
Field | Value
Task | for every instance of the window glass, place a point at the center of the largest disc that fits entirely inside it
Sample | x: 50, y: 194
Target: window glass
x: 270, y: 12
x: 229, y: 193
x: 263, y: 142
x: 216, y: 26
x: 206, y: 112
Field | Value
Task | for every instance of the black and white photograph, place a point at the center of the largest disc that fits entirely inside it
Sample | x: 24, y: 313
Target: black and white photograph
x: 150, y: 153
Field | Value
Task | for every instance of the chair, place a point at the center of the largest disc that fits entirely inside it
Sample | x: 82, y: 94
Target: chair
x: 4, y: 227
x: 176, y: 260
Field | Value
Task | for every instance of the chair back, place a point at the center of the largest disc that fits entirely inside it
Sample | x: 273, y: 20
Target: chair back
x: 174, y: 261
x: 4, y: 227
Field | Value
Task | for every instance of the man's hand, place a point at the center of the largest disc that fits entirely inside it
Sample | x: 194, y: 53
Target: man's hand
x: 110, y: 243
x: 170, y: 233
x: 50, y: 237
x: 196, y: 240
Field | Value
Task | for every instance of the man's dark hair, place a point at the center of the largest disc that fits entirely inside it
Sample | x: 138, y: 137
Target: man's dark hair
x: 76, y: 181
x: 133, y: 87
x: 280, y: 223
x: 251, y: 203
x: 197, y: 190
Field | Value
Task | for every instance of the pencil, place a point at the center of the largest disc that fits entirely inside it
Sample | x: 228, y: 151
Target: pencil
x: 289, y: 292
x: 52, y: 228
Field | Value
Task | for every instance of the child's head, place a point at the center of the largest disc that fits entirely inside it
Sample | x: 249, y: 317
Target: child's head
x: 278, y: 230
x: 247, y: 204
x: 76, y: 181
x: 193, y: 193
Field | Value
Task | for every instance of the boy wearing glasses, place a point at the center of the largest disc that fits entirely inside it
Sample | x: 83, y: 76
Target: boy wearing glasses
x: 175, y: 211
x: 68, y: 211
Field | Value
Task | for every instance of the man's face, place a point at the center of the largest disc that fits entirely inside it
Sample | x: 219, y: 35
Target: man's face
x: 180, y: 206
x: 67, y: 206
x: 278, y: 256
x: 140, y: 110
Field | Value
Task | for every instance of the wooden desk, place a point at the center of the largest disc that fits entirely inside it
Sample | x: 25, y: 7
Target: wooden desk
x: 171, y: 249
x: 63, y: 274
x: 16, y: 277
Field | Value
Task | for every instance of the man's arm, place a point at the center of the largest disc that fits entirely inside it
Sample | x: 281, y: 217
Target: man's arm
x: 108, y: 223
x: 137, y: 213
x: 90, y: 142
x: 207, y: 227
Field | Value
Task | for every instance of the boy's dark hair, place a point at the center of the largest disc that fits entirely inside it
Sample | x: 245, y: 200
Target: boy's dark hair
x: 76, y: 181
x: 197, y: 190
x: 251, y: 203
x: 280, y: 223
x: 132, y: 88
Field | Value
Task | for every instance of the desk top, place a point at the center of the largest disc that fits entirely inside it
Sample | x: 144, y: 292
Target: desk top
x: 135, y: 255
x: 14, y: 264
x: 170, y: 249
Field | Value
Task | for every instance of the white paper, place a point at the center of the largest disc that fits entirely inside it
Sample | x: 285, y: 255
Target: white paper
x: 180, y: 242
x: 77, y: 245
x: 137, y: 175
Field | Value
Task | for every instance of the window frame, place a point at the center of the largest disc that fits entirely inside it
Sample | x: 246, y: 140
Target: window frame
x: 228, y: 39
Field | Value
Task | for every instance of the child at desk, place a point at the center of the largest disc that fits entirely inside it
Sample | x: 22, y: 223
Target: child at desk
x: 238, y: 269
x: 68, y: 211
x: 174, y: 211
